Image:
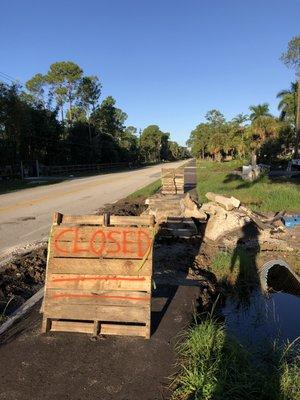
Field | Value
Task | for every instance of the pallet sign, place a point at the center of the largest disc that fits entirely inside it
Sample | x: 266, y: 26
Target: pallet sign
x: 98, y: 277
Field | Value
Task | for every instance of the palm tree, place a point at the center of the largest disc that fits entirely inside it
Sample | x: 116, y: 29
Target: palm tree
x: 261, y: 110
x: 288, y: 103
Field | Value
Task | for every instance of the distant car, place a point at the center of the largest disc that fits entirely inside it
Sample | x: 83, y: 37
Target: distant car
x: 294, y: 165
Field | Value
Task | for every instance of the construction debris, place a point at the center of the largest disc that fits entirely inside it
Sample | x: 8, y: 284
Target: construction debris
x: 191, y: 208
x: 229, y: 203
x: 222, y: 221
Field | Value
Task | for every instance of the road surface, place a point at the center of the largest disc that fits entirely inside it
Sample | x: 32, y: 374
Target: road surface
x: 25, y: 215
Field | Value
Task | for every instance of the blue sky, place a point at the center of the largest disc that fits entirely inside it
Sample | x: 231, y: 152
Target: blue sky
x: 166, y: 62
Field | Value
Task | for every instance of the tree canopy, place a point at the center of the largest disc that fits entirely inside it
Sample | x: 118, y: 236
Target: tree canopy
x: 59, y: 118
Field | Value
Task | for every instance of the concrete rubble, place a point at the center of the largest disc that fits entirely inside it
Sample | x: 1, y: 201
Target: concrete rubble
x: 224, y: 217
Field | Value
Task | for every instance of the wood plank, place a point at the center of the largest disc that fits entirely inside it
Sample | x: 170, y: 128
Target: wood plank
x: 98, y: 282
x: 123, y: 330
x: 104, y: 242
x: 72, y: 326
x: 99, y: 298
x: 99, y: 313
x: 97, y: 234
x: 98, y: 220
x: 142, y: 220
x: 100, y: 266
x: 92, y: 255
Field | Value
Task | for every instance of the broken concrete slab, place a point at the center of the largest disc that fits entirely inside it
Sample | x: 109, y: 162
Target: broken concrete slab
x: 229, y: 203
x: 222, y: 221
x: 192, y: 209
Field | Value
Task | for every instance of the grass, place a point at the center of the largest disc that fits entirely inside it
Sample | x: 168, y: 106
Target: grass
x: 263, y: 195
x: 214, y: 366
x: 146, y: 191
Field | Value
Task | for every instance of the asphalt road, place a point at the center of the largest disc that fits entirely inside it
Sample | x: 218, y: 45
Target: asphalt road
x: 25, y: 215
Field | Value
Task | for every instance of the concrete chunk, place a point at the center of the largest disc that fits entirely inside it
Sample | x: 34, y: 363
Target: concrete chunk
x: 228, y: 203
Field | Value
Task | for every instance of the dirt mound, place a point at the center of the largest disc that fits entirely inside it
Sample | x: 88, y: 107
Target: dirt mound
x: 21, y: 278
x: 125, y: 207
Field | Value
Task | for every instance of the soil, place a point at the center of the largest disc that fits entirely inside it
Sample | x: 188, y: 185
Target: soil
x: 21, y: 278
x: 125, y: 207
x: 72, y: 366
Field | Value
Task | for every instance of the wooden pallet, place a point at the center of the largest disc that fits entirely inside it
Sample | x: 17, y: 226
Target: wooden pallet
x: 98, y: 277
x: 172, y: 181
x: 178, y: 227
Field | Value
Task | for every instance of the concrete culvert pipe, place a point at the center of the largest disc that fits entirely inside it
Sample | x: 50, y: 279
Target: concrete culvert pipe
x: 278, y: 276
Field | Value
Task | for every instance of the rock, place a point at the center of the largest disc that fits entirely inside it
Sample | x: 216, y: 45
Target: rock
x: 229, y: 203
x: 221, y: 221
x: 191, y: 209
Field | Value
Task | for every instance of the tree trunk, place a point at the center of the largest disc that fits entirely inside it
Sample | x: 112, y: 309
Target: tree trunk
x: 253, y: 159
x: 297, y: 140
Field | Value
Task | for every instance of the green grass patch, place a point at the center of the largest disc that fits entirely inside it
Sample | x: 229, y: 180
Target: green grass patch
x: 229, y: 266
x: 214, y: 366
x: 146, y: 191
x: 262, y: 195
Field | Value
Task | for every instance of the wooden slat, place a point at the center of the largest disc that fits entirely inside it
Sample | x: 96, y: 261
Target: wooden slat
x: 72, y: 326
x: 100, y: 266
x: 144, y: 220
x: 99, y: 298
x: 97, y: 282
x: 109, y: 242
x: 99, y: 313
x: 123, y: 330
x: 108, y: 234
x: 88, y: 254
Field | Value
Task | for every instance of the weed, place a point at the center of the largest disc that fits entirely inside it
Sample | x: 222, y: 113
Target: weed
x: 215, y: 366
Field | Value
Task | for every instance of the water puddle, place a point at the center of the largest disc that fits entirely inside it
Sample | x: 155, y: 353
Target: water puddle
x: 266, y: 316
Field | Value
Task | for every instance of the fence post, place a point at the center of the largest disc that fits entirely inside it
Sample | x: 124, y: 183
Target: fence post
x: 22, y: 170
x: 37, y: 168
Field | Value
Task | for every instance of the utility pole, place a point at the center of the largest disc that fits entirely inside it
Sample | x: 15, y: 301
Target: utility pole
x: 140, y: 155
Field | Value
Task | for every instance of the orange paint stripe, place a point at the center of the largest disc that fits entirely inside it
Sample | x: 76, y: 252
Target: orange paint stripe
x: 57, y: 296
x: 98, y: 278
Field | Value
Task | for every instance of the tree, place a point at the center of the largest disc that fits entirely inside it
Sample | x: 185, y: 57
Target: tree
x: 199, y: 140
x: 89, y: 91
x: 288, y: 104
x: 259, y: 111
x: 109, y: 119
x: 36, y: 88
x: 64, y: 78
x: 215, y: 117
x: 240, y: 119
x: 78, y: 114
x: 151, y: 143
x: 291, y: 59
x: 129, y: 143
x: 262, y: 129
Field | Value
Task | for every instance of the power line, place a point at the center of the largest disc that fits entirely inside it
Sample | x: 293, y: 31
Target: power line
x: 3, y: 75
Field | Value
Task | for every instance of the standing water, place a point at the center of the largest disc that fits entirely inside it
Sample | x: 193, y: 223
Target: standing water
x: 267, y: 315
